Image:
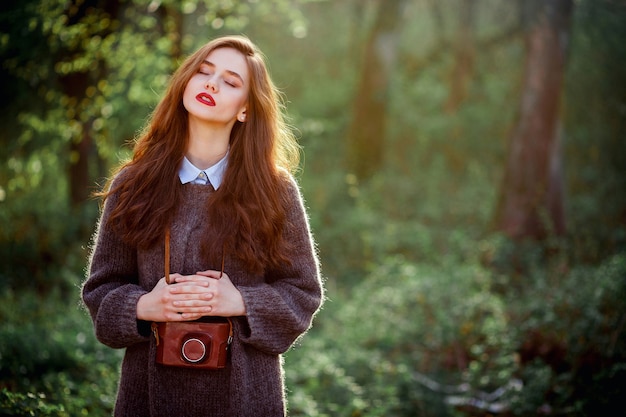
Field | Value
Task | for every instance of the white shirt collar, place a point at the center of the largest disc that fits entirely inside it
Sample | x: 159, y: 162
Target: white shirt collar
x: 188, y: 172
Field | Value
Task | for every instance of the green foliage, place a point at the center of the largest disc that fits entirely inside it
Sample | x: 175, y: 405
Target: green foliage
x: 50, y: 361
x: 17, y: 404
x: 402, y: 322
x: 578, y: 318
x: 40, y: 231
x: 594, y: 151
x: 404, y: 337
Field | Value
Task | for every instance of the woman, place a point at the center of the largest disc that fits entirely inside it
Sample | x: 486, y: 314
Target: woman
x: 212, y: 167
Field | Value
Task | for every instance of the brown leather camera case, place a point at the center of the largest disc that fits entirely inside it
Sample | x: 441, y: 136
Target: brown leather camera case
x: 201, y: 344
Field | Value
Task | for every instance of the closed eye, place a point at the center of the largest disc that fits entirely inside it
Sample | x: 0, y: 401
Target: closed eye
x: 205, y: 69
x: 231, y: 78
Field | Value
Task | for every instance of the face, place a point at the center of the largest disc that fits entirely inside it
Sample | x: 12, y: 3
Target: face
x: 218, y: 92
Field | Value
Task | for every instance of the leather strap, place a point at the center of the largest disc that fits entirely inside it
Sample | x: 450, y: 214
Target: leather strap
x: 167, y: 255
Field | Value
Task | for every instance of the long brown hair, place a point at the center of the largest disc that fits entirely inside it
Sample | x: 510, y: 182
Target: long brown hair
x: 247, y: 212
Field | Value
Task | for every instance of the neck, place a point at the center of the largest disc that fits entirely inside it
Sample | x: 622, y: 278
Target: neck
x: 207, y: 143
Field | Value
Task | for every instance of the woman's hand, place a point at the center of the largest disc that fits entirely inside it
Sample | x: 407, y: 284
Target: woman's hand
x: 191, y: 297
x: 223, y: 298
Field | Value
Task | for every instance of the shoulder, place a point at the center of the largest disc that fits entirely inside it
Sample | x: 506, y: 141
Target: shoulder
x: 118, y: 182
x: 120, y: 177
x: 290, y: 186
x: 293, y: 200
x: 115, y: 187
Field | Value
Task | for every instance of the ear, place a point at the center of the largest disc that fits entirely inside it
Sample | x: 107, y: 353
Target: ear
x: 241, y: 116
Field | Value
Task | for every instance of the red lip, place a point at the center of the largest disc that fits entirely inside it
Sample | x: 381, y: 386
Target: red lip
x: 206, y: 99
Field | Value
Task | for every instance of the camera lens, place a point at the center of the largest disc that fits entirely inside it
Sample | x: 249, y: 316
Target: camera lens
x: 193, y: 350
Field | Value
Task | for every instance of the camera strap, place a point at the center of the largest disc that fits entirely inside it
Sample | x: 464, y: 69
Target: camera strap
x: 167, y: 256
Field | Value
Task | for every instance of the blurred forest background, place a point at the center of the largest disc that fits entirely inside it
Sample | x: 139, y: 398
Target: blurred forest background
x: 464, y: 168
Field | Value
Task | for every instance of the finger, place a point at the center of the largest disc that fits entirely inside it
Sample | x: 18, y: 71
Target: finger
x: 182, y: 313
x: 161, y: 283
x: 189, y: 300
x: 180, y: 316
x: 191, y: 316
x: 201, y: 311
x: 200, y: 296
x: 171, y: 278
x: 211, y: 274
x: 189, y: 288
x: 191, y: 278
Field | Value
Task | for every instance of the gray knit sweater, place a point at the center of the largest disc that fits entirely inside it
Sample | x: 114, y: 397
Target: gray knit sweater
x: 280, y: 306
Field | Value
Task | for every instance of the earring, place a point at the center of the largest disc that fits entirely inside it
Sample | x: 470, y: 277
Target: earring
x: 242, y: 118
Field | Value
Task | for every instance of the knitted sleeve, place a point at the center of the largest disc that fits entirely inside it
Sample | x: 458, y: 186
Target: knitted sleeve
x: 111, y: 290
x: 282, y: 309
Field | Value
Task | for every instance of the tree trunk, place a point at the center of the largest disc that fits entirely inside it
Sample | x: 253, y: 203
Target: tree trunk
x: 531, y: 197
x: 367, y: 131
x: 75, y: 85
x: 463, y: 49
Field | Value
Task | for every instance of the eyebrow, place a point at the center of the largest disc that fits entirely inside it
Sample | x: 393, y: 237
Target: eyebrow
x: 233, y: 73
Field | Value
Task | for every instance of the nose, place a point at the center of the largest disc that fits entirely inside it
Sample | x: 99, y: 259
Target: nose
x: 210, y: 84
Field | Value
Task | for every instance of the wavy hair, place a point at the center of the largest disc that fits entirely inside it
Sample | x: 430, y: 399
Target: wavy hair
x: 247, y: 212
